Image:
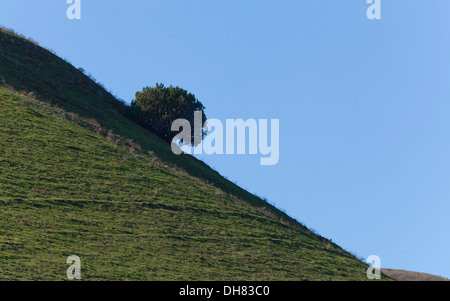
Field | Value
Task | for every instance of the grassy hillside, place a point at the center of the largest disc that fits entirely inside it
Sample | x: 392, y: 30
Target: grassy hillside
x: 28, y: 67
x: 130, y: 209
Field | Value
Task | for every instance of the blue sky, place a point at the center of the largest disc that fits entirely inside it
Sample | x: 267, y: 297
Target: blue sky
x: 363, y: 105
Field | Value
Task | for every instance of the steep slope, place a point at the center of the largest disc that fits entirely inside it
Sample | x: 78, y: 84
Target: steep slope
x: 67, y: 190
x: 28, y: 67
x: 67, y: 187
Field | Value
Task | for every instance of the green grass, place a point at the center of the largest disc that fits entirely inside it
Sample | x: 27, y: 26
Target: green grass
x: 66, y: 189
x: 28, y: 67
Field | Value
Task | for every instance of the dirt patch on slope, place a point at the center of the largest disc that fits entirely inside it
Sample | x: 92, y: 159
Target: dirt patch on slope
x: 400, y: 275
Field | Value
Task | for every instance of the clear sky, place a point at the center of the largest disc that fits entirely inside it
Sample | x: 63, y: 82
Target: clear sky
x: 363, y: 105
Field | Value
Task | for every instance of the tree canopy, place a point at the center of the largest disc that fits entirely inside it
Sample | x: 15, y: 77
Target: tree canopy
x: 156, y: 108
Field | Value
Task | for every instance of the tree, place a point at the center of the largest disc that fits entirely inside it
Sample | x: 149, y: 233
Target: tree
x: 157, y: 108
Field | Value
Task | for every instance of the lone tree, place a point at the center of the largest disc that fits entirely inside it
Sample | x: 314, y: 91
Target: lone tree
x: 157, y: 108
